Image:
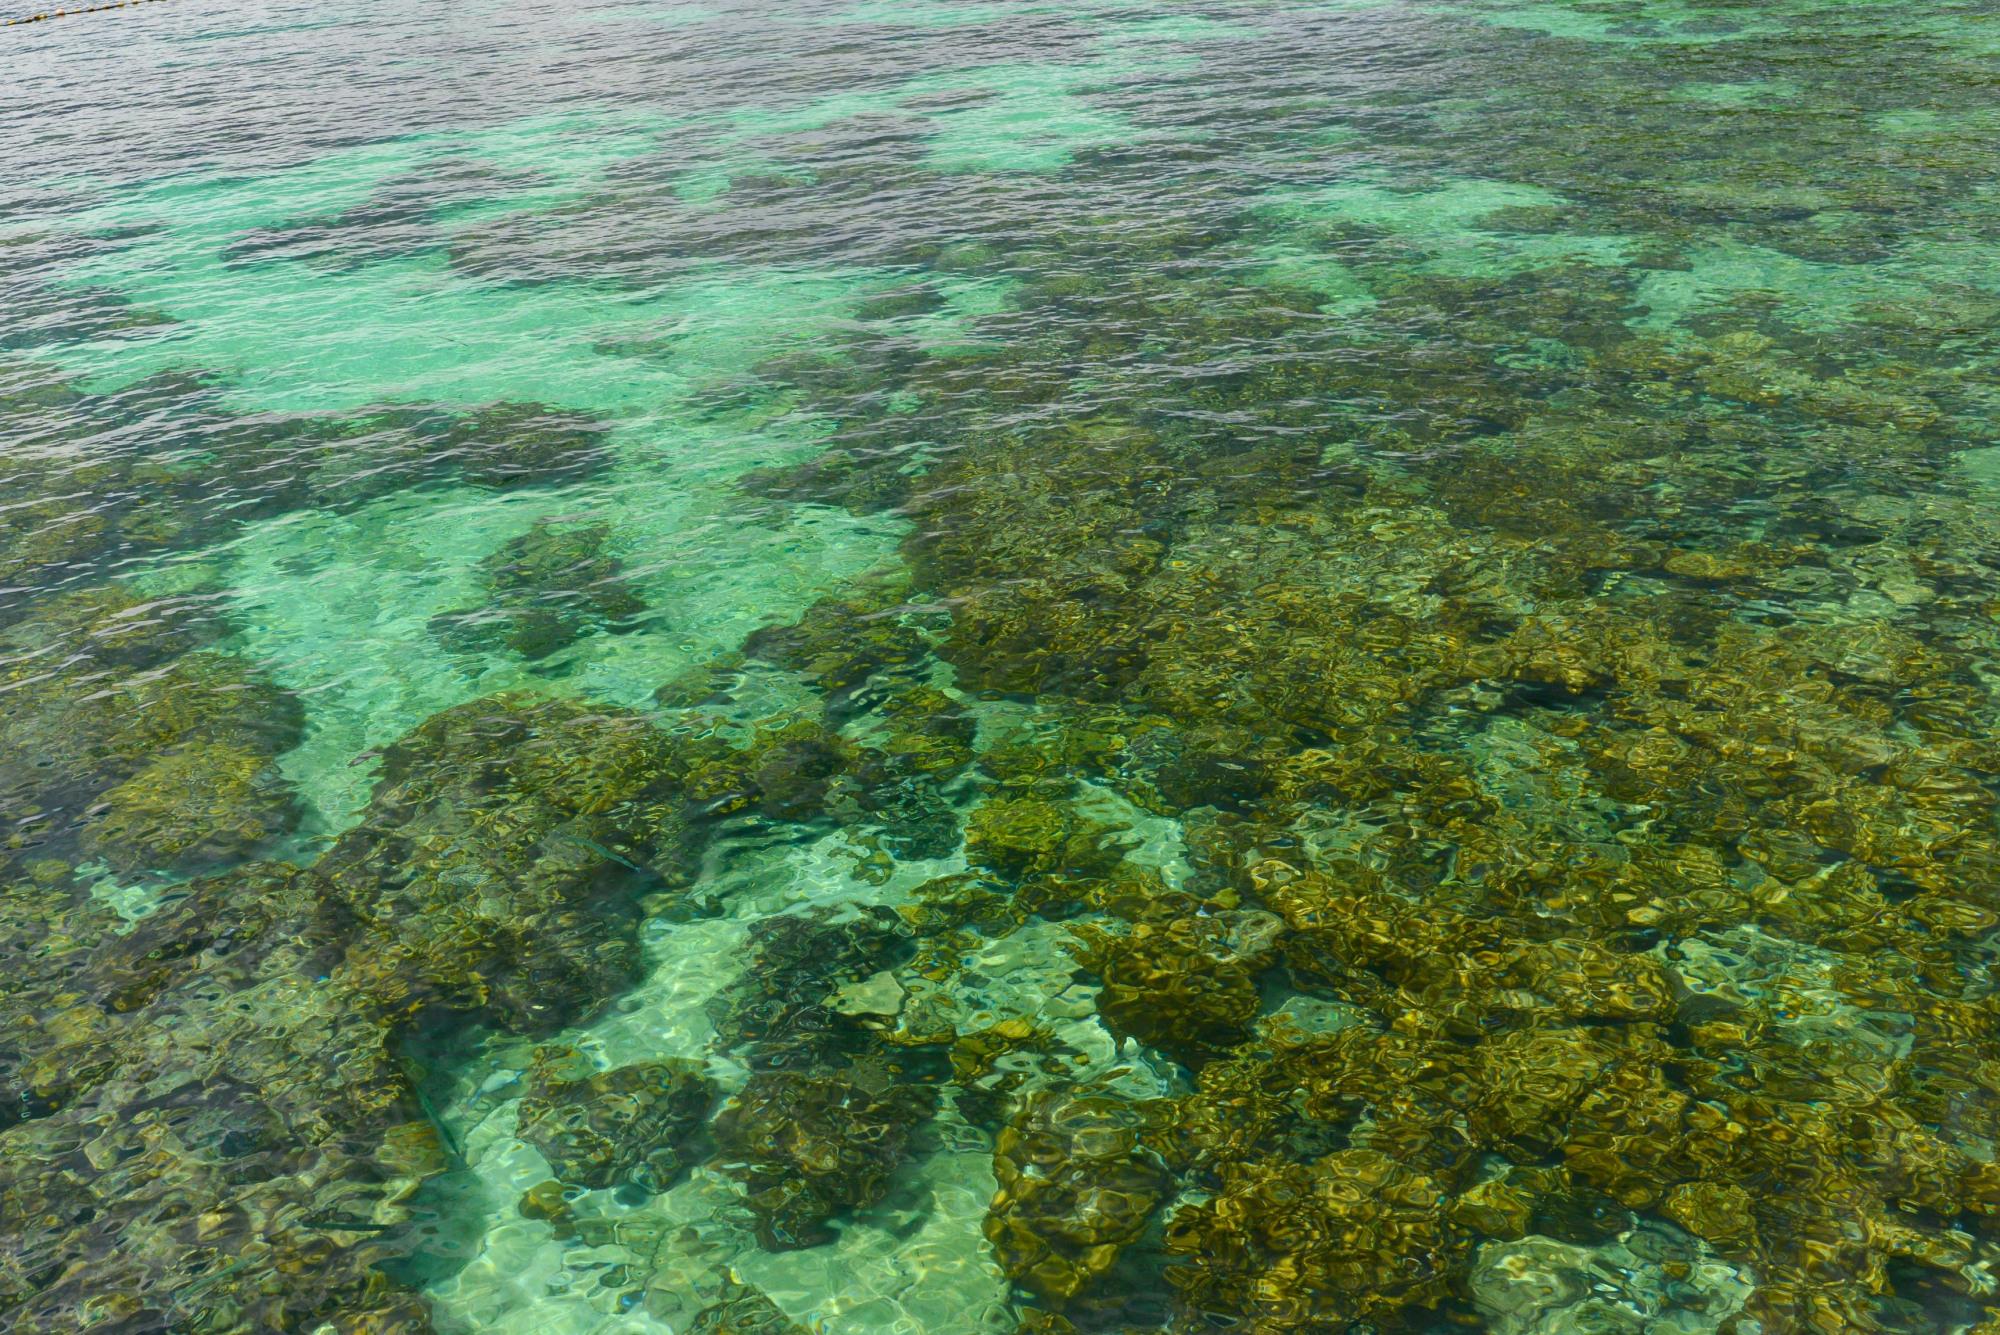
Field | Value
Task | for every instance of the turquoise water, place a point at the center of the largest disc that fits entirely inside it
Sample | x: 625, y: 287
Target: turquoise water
x: 908, y: 669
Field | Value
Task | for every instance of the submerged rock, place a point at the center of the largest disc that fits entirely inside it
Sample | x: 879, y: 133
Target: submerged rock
x: 794, y: 1003
x: 548, y: 588
x: 123, y: 740
x: 209, y: 1117
x: 604, y: 1128
x: 838, y: 645
x: 499, y: 866
x: 811, y: 1147
x: 522, y: 444
x: 743, y: 1311
x: 206, y: 1117
x: 1647, y: 1281
x: 1031, y: 836
x: 878, y: 995
x: 193, y: 807
x: 1353, y: 1236
x: 1076, y: 1189
x: 1182, y: 988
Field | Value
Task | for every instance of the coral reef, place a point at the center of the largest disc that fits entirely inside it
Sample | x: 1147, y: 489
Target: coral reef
x: 1076, y: 1187
x: 90, y: 482
x: 208, y: 1133
x: 125, y: 740
x: 550, y: 586
x: 1353, y: 1236
x: 828, y: 1113
x: 837, y: 645
x: 207, y: 1118
x: 500, y: 863
x: 1183, y: 986
x: 604, y: 1128
x: 812, y: 1145
x: 743, y: 1311
x: 1429, y: 761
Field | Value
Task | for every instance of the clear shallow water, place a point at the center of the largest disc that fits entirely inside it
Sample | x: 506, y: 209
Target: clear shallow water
x: 937, y: 668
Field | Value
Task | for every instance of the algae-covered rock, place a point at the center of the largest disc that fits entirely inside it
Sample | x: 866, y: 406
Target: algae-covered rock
x: 1587, y: 980
x: 795, y: 771
x: 1349, y: 1237
x: 1076, y: 1188
x: 1496, y: 1208
x: 742, y: 1310
x: 793, y: 1002
x: 547, y: 1201
x: 193, y: 807
x: 1719, y: 1213
x: 811, y: 1147
x: 1218, y: 767
x: 1022, y: 836
x: 603, y: 1128
x: 828, y: 1113
x: 500, y: 863
x: 930, y: 732
x: 548, y: 588
x: 1529, y: 1082
x: 862, y: 481
x: 838, y: 644
x: 217, y: 1097
x: 122, y: 740
x: 1182, y: 987
x: 209, y: 1110
x: 522, y: 444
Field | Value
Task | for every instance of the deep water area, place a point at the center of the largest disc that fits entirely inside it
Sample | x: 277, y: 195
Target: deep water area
x: 987, y: 667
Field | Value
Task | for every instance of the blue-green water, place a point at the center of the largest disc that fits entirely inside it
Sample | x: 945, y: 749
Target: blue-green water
x: 958, y: 667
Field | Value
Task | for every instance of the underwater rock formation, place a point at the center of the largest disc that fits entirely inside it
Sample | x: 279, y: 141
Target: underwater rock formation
x: 813, y: 1145
x: 1645, y: 1280
x: 550, y: 586
x: 124, y: 740
x: 499, y: 865
x: 603, y: 1128
x: 1182, y: 986
x: 743, y: 1311
x: 207, y: 1131
x: 519, y: 444
x: 786, y: 1009
x: 1353, y: 1236
x: 1475, y: 641
x: 1076, y: 1187
x: 221, y: 1086
x: 830, y: 1108
x: 837, y: 645
x: 91, y: 482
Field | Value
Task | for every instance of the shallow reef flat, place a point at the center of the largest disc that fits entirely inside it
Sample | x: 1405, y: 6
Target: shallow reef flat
x: 1145, y: 667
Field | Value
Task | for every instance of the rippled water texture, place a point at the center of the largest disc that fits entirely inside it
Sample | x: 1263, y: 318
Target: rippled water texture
x: 936, y: 668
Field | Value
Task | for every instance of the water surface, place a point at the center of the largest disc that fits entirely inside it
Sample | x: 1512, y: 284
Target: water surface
x: 927, y: 668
